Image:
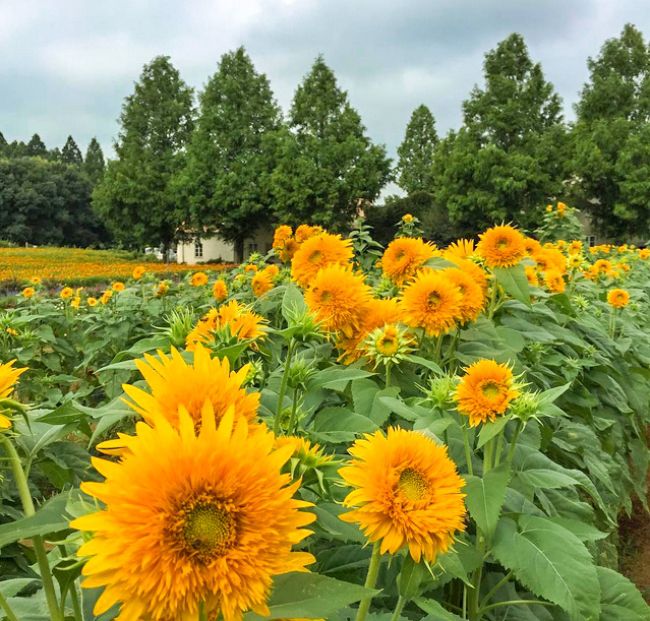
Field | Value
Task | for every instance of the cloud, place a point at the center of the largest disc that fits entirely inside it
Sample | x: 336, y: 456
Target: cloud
x: 67, y: 65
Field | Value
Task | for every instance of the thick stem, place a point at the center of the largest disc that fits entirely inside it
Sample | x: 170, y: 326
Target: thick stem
x: 494, y: 589
x: 294, y: 411
x: 8, y: 612
x: 283, y: 387
x: 513, y: 444
x: 388, y: 366
x: 468, y: 450
x: 37, y: 541
x: 401, y: 602
x: 371, y: 580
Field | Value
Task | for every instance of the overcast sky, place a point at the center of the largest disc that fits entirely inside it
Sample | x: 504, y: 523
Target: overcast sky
x: 66, y: 65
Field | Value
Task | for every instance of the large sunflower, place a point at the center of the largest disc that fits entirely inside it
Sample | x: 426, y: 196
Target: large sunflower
x: 174, y: 383
x: 408, y: 493
x: 404, y: 256
x: 472, y: 294
x: 484, y: 391
x: 262, y: 283
x: 432, y: 302
x: 8, y: 377
x: 338, y: 298
x: 502, y: 246
x: 317, y: 252
x: 193, y: 517
x: 618, y: 298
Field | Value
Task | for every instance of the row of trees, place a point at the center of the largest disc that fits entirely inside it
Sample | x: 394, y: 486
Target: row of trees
x: 514, y: 151
x: 45, y: 195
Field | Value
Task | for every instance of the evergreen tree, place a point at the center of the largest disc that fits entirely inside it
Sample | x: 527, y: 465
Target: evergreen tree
x: 232, y: 152
x: 328, y: 168
x: 135, y: 196
x: 508, y: 159
x: 3, y: 144
x: 610, y: 138
x: 70, y: 154
x: 36, y: 147
x: 94, y: 162
x: 415, y: 165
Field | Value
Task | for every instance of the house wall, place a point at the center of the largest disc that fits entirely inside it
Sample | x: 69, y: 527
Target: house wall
x: 215, y: 248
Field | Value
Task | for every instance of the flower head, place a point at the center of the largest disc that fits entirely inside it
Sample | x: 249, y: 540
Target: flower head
x: 193, y: 516
x: 262, y: 283
x: 404, y: 256
x: 138, y: 272
x: 502, y: 246
x: 199, y: 279
x: 28, y: 292
x: 117, y: 286
x: 618, y: 298
x: 66, y: 293
x: 407, y: 493
x: 220, y: 290
x: 472, y: 294
x: 485, y: 391
x: 317, y: 252
x: 8, y: 378
x: 554, y: 281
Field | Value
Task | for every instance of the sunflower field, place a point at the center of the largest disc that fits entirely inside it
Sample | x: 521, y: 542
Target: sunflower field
x: 334, y: 431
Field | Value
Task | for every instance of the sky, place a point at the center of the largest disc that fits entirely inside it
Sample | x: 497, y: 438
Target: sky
x: 66, y: 65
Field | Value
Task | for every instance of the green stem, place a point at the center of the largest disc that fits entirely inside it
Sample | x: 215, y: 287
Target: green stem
x: 468, y: 450
x: 494, y: 589
x: 76, y: 606
x: 283, y: 387
x: 499, y: 449
x: 294, y: 410
x: 203, y: 613
x: 37, y: 541
x: 8, y: 612
x: 475, y: 595
x: 488, y: 455
x: 371, y: 580
x: 401, y: 601
x: 438, y: 350
x: 516, y: 602
x: 513, y: 444
x: 388, y: 365
x: 493, y: 298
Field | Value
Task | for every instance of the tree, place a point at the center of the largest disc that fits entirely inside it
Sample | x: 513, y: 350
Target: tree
x: 231, y: 156
x: 610, y: 155
x: 415, y: 165
x: 509, y: 158
x: 3, y: 144
x: 70, y: 154
x: 94, y: 162
x: 36, y: 147
x: 328, y: 168
x: 135, y: 196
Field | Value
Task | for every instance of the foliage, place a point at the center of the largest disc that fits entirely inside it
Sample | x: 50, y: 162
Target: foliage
x: 135, y: 196
x: 327, y: 169
x: 611, y: 137
x: 509, y: 156
x: 544, y: 482
x: 93, y: 163
x: 230, y: 158
x: 415, y: 165
x: 70, y: 154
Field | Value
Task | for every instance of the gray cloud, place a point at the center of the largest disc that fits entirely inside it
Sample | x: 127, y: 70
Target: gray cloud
x: 66, y: 66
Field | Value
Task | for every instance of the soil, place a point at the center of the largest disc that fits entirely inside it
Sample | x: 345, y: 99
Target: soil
x: 635, y: 547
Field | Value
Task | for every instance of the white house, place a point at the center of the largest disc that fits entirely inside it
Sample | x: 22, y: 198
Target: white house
x: 214, y: 249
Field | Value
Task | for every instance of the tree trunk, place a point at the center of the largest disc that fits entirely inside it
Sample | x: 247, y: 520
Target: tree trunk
x: 239, y: 250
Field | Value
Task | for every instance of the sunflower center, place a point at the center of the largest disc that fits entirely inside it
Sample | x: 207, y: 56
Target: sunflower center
x: 491, y: 390
x: 412, y: 484
x: 433, y: 299
x: 387, y: 345
x: 502, y: 243
x: 315, y: 256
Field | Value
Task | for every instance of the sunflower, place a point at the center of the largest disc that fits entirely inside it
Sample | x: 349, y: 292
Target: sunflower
x: 472, y: 294
x: 310, y: 455
x: 531, y: 276
x: 262, y: 283
x: 407, y: 218
x: 162, y: 288
x: 575, y: 261
x: 338, y: 297
x: 36, y: 280
x: 280, y: 236
x: 66, y: 293
x: 317, y: 252
x: 220, y: 290
x: 502, y: 246
x: 554, y: 281
x: 550, y: 259
x: 173, y: 383
x: 575, y: 247
x: 432, y: 302
x: 193, y: 516
x: 138, y: 272
x: 484, y: 391
x: 532, y: 246
x: 106, y: 296
x: 272, y: 270
x: 407, y: 493
x: 199, y: 279
x: 644, y: 254
x: 28, y: 292
x: 404, y: 256
x: 8, y: 377
x: 618, y: 298
x: 460, y: 249
x: 305, y: 231
x: 92, y: 301
x: 76, y: 302
x: 117, y: 286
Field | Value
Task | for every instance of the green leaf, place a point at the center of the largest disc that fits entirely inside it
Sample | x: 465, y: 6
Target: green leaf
x: 514, y: 282
x: 424, y: 362
x: 620, y: 599
x: 51, y: 517
x: 337, y: 377
x: 310, y: 595
x: 292, y: 302
x: 545, y: 479
x: 435, y: 612
x: 410, y: 577
x: 550, y: 395
x: 551, y: 562
x: 485, y: 497
x: 489, y: 430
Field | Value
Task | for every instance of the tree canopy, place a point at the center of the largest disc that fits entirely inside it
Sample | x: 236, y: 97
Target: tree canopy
x: 415, y: 165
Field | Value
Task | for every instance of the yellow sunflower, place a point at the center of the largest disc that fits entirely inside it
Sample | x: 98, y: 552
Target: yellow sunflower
x: 305, y: 231
x: 317, y: 252
x: 117, y: 286
x: 8, y: 377
x: 66, y: 293
x: 199, y: 279
x: 92, y: 301
x: 338, y: 298
x: 404, y: 256
x: 138, y: 272
x: 484, y: 391
x: 220, y: 290
x: 531, y: 276
x: 432, y: 302
x: 173, y: 383
x: 460, y: 249
x: 502, y: 246
x: 554, y: 281
x: 407, y: 493
x: 28, y: 292
x: 280, y: 236
x: 310, y: 455
x: 472, y: 294
x: 618, y: 298
x: 262, y: 283
x: 550, y: 259
x: 193, y: 517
